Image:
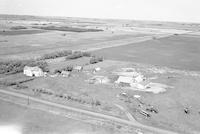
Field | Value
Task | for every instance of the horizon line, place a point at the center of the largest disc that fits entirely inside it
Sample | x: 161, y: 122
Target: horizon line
x: 61, y: 16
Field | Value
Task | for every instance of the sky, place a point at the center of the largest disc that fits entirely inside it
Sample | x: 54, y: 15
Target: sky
x: 161, y: 10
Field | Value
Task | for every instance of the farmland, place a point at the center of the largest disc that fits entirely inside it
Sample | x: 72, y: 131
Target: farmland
x: 181, y: 52
x: 86, y: 63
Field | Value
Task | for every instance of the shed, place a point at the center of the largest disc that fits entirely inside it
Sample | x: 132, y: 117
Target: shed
x: 33, y: 71
x: 96, y: 69
x: 99, y: 80
x: 78, y: 68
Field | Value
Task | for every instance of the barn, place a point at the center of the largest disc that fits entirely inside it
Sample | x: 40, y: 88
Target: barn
x: 33, y: 71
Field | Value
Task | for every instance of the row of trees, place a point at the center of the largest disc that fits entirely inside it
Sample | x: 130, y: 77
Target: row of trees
x: 18, y: 27
x: 56, y: 54
x: 65, y: 53
x: 71, y: 29
x: 78, y: 54
x: 69, y: 97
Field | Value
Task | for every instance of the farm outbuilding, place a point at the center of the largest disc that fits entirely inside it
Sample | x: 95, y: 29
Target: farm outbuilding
x: 78, y: 68
x: 97, y: 69
x: 99, y: 80
x: 33, y: 71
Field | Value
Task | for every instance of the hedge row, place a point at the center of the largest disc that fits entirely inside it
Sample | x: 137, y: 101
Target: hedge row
x: 70, y: 29
x: 18, y: 27
x: 68, y: 97
x: 56, y: 54
x: 78, y: 54
x: 12, y: 83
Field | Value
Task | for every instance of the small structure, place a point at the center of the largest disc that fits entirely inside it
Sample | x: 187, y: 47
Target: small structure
x: 33, y: 71
x: 65, y: 73
x: 136, y: 96
x: 78, y: 68
x: 98, y: 80
x: 125, y: 80
x: 96, y: 69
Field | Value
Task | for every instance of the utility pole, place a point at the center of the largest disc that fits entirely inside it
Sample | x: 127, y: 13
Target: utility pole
x: 28, y: 101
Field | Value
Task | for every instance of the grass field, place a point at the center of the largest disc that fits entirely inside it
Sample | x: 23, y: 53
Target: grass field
x: 23, y: 120
x: 29, y: 46
x: 181, y: 52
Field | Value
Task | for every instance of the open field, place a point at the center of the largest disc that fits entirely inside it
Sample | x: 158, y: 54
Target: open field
x: 29, y: 121
x: 181, y: 52
x: 37, y: 44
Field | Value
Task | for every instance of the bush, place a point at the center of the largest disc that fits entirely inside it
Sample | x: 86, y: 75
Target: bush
x: 68, y: 68
x: 57, y: 71
x: 100, y: 59
x: 75, y: 55
x: 87, y: 54
x: 94, y: 60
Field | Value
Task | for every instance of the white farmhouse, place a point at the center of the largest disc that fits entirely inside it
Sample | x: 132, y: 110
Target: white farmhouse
x: 33, y: 71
